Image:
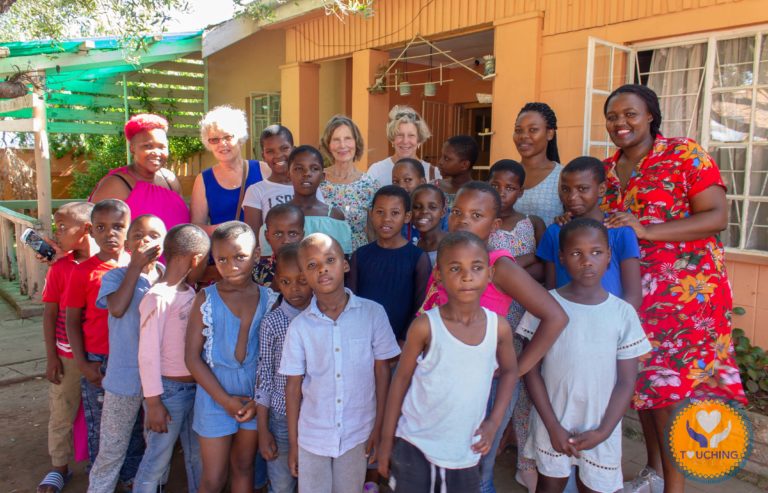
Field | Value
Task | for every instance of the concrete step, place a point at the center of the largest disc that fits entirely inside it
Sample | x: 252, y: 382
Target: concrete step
x: 23, y: 305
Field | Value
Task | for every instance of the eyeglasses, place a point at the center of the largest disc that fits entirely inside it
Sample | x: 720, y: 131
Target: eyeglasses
x: 225, y: 138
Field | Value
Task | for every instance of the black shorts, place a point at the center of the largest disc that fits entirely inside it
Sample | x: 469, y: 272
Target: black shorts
x: 411, y: 472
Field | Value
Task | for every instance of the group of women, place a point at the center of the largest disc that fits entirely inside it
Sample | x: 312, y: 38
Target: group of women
x: 668, y: 190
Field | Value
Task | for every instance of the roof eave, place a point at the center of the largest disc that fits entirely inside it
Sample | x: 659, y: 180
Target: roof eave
x: 239, y: 28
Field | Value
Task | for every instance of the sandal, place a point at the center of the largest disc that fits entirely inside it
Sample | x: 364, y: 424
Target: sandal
x: 55, y: 480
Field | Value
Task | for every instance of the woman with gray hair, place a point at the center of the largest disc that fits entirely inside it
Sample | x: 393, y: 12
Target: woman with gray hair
x: 406, y: 131
x: 217, y: 195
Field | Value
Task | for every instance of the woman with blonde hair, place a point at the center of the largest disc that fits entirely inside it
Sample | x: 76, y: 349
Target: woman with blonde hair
x: 345, y: 186
x: 406, y: 131
x: 217, y: 195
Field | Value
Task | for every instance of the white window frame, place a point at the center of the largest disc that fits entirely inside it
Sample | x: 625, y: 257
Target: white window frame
x: 255, y: 135
x: 759, y: 32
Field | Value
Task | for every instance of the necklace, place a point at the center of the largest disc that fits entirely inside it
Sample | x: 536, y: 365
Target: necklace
x: 229, y: 182
x: 334, y: 173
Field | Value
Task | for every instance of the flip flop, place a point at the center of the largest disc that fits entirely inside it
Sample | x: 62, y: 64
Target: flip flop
x: 55, y: 480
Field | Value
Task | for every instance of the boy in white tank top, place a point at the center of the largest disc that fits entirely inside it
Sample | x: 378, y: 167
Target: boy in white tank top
x: 436, y: 404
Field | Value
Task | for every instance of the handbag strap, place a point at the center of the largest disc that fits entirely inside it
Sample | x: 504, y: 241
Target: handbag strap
x: 242, y: 191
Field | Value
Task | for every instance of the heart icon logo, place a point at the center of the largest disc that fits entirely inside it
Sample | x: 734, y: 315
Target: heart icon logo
x: 690, y: 454
x: 708, y: 420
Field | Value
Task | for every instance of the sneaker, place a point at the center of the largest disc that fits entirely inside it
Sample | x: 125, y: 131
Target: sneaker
x: 370, y: 487
x: 647, y: 481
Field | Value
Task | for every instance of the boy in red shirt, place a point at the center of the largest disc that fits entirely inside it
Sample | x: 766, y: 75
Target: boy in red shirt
x: 87, y: 327
x: 73, y: 223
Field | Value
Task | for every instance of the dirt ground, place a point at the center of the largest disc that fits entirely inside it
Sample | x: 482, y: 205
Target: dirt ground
x: 24, y: 446
x: 24, y: 443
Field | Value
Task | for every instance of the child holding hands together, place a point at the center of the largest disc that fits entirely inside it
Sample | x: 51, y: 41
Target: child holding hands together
x: 222, y: 349
x: 579, y: 406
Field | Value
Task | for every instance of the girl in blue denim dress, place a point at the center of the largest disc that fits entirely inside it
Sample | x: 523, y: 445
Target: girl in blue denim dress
x: 222, y: 350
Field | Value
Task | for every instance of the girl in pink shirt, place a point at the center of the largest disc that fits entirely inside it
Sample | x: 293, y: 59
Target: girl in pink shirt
x: 168, y: 386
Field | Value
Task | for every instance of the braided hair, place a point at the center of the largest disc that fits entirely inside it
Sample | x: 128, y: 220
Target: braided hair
x: 549, y: 117
x: 650, y: 99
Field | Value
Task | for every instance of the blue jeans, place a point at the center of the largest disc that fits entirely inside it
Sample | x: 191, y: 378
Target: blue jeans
x: 489, y: 459
x: 179, y: 400
x: 280, y: 478
x: 93, y: 402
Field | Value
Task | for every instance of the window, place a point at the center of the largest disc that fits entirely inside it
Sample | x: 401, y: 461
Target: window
x: 714, y: 90
x: 265, y: 111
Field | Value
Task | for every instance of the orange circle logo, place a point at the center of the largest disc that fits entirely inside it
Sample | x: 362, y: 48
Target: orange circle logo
x: 709, y: 440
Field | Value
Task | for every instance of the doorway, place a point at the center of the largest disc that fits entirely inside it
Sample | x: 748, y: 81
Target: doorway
x: 476, y: 122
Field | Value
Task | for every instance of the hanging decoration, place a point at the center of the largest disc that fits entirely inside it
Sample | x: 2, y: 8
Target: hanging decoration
x: 380, y: 84
x: 430, y: 88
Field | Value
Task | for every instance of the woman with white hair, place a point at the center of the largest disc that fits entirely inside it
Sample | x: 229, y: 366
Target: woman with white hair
x: 217, y: 195
x: 406, y: 131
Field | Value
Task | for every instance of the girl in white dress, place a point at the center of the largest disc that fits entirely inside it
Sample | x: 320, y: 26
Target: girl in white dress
x: 583, y: 386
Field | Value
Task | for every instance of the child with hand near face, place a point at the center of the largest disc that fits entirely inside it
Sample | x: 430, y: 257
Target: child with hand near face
x: 73, y: 222
x: 584, y: 429
x: 222, y: 347
x: 122, y: 290
x: 283, y: 225
x: 336, y: 359
x: 168, y: 386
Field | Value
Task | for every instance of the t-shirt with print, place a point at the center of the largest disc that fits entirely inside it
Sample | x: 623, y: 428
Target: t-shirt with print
x: 85, y: 282
x: 622, y: 242
x: 266, y: 194
x: 56, y: 282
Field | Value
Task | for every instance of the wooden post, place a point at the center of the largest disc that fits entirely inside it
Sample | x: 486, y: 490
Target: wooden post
x: 21, y: 260
x: 6, y: 244
x: 42, y: 162
x: 37, y: 270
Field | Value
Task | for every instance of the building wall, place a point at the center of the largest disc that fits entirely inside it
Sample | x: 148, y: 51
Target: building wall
x: 541, y: 51
x: 333, y: 90
x: 250, y: 65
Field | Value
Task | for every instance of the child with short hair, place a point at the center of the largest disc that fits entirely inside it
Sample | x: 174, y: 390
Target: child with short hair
x: 336, y: 361
x: 391, y: 271
x: 408, y: 173
x: 283, y: 225
x: 121, y: 292
x: 579, y: 406
x: 305, y: 167
x: 440, y: 450
x: 168, y: 386
x: 582, y: 185
x: 72, y: 222
x: 476, y: 210
x: 87, y: 324
x: 222, y: 347
x: 428, y: 213
x: 458, y: 156
x: 295, y: 295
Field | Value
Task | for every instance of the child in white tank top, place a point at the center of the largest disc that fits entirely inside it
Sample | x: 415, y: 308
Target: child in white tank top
x: 436, y: 404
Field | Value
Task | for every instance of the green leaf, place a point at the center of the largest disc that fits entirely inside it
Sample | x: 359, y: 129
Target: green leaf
x: 752, y: 386
x: 752, y: 374
x: 737, y: 333
x: 737, y: 310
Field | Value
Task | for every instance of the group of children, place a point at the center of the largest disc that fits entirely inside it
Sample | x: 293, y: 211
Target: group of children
x: 284, y: 365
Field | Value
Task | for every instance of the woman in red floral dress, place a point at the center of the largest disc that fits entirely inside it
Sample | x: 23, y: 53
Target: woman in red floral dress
x: 670, y: 192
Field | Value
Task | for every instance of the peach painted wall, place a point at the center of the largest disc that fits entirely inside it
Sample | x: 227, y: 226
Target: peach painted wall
x: 250, y: 65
